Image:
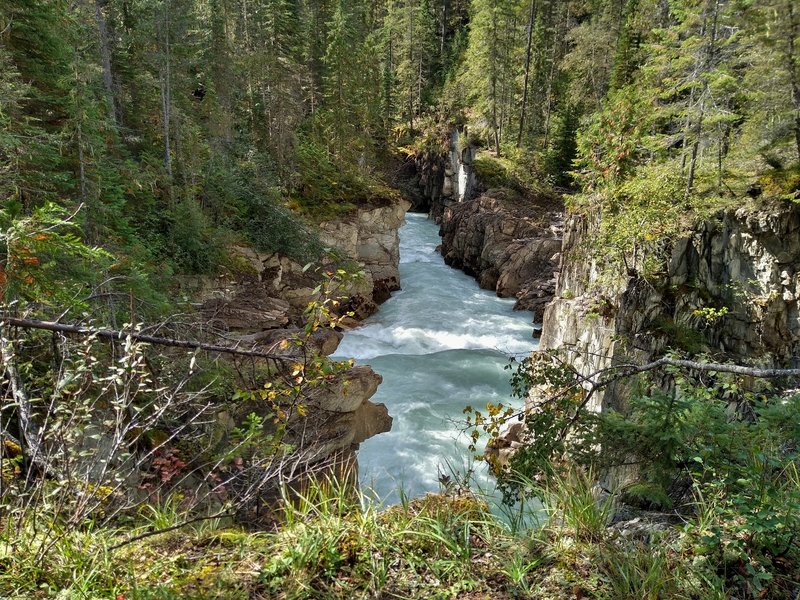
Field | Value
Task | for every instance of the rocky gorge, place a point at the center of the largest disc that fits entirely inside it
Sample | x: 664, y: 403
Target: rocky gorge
x: 727, y: 287
x: 263, y: 303
x: 509, y: 241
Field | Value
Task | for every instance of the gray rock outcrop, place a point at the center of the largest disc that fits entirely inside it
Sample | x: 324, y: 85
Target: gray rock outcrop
x: 741, y: 267
x: 730, y: 286
x: 371, y: 239
x: 509, y: 244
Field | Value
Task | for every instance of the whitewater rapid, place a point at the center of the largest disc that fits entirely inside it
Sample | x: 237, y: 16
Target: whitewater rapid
x: 441, y: 344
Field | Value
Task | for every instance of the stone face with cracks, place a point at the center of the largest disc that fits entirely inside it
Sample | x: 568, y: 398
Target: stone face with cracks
x: 371, y: 238
x: 509, y: 244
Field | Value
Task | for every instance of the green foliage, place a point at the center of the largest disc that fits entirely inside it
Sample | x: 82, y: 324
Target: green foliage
x: 488, y: 68
x: 681, y: 336
x: 43, y: 259
x: 572, y: 499
x: 730, y: 442
x: 244, y: 198
x: 782, y: 182
x: 649, y: 496
x: 517, y: 170
x: 560, y: 156
x: 191, y: 242
x: 642, y: 572
x: 611, y: 146
x: 322, y: 181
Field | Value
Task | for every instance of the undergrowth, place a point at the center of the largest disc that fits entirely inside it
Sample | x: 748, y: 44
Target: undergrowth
x: 330, y: 542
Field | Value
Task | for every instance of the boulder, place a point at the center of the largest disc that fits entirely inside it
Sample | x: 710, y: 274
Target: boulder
x: 348, y: 391
x: 249, y: 309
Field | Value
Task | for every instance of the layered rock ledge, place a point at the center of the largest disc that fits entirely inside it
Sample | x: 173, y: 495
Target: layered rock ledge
x: 262, y: 303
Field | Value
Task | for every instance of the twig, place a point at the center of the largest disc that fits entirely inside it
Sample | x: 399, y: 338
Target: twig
x: 142, y: 536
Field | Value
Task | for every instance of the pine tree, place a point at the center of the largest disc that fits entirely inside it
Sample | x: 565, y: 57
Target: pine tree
x: 488, y: 70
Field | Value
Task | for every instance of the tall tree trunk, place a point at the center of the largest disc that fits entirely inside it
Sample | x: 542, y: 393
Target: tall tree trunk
x: 419, y: 84
x: 561, y: 26
x: 251, y: 96
x: 493, y: 60
x: 105, y: 60
x: 548, y: 98
x: 443, y: 31
x: 528, y: 46
x: 705, y: 62
x: 791, y: 60
x: 166, y: 90
x: 410, y: 10
x: 698, y: 129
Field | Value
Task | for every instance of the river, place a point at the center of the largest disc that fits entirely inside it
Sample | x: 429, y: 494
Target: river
x: 441, y: 343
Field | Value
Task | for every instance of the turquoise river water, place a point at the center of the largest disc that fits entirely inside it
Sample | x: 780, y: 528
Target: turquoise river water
x: 441, y: 343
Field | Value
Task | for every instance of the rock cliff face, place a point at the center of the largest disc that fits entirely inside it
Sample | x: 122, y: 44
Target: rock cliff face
x: 263, y: 304
x: 742, y: 267
x: 446, y: 179
x: 371, y: 238
x: 509, y: 244
x: 272, y: 290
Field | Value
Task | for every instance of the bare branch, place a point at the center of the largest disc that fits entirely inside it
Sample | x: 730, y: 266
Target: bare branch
x: 147, y: 534
x: 631, y: 369
x: 113, y: 334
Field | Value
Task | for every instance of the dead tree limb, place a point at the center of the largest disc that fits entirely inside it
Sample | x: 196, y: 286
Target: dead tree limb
x: 632, y: 369
x: 604, y: 377
x: 113, y: 334
x: 28, y: 430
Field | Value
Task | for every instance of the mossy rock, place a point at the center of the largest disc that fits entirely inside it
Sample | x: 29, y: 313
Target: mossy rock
x: 491, y: 172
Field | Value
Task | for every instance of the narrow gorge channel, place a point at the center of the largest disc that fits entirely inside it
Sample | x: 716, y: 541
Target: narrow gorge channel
x: 441, y: 343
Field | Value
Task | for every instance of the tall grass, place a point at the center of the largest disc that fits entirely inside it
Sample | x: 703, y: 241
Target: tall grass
x: 330, y: 541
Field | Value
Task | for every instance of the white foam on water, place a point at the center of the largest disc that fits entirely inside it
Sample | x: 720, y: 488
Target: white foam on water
x: 440, y: 344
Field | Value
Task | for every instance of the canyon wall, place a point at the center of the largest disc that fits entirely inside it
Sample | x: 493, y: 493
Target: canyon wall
x: 730, y: 286
x: 510, y: 244
x: 446, y: 179
x: 262, y: 304
x: 508, y: 241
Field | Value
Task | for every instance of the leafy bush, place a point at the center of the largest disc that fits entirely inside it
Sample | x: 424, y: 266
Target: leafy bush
x: 725, y: 451
x: 612, y: 144
x: 192, y: 243
x: 243, y: 198
x: 323, y: 180
x: 519, y: 170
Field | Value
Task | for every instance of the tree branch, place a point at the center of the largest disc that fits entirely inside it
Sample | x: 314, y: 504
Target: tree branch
x: 28, y: 430
x: 627, y: 370
x: 632, y: 369
x: 113, y: 334
x: 147, y: 534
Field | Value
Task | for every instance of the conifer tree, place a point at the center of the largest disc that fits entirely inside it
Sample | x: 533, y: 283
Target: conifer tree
x: 492, y: 45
